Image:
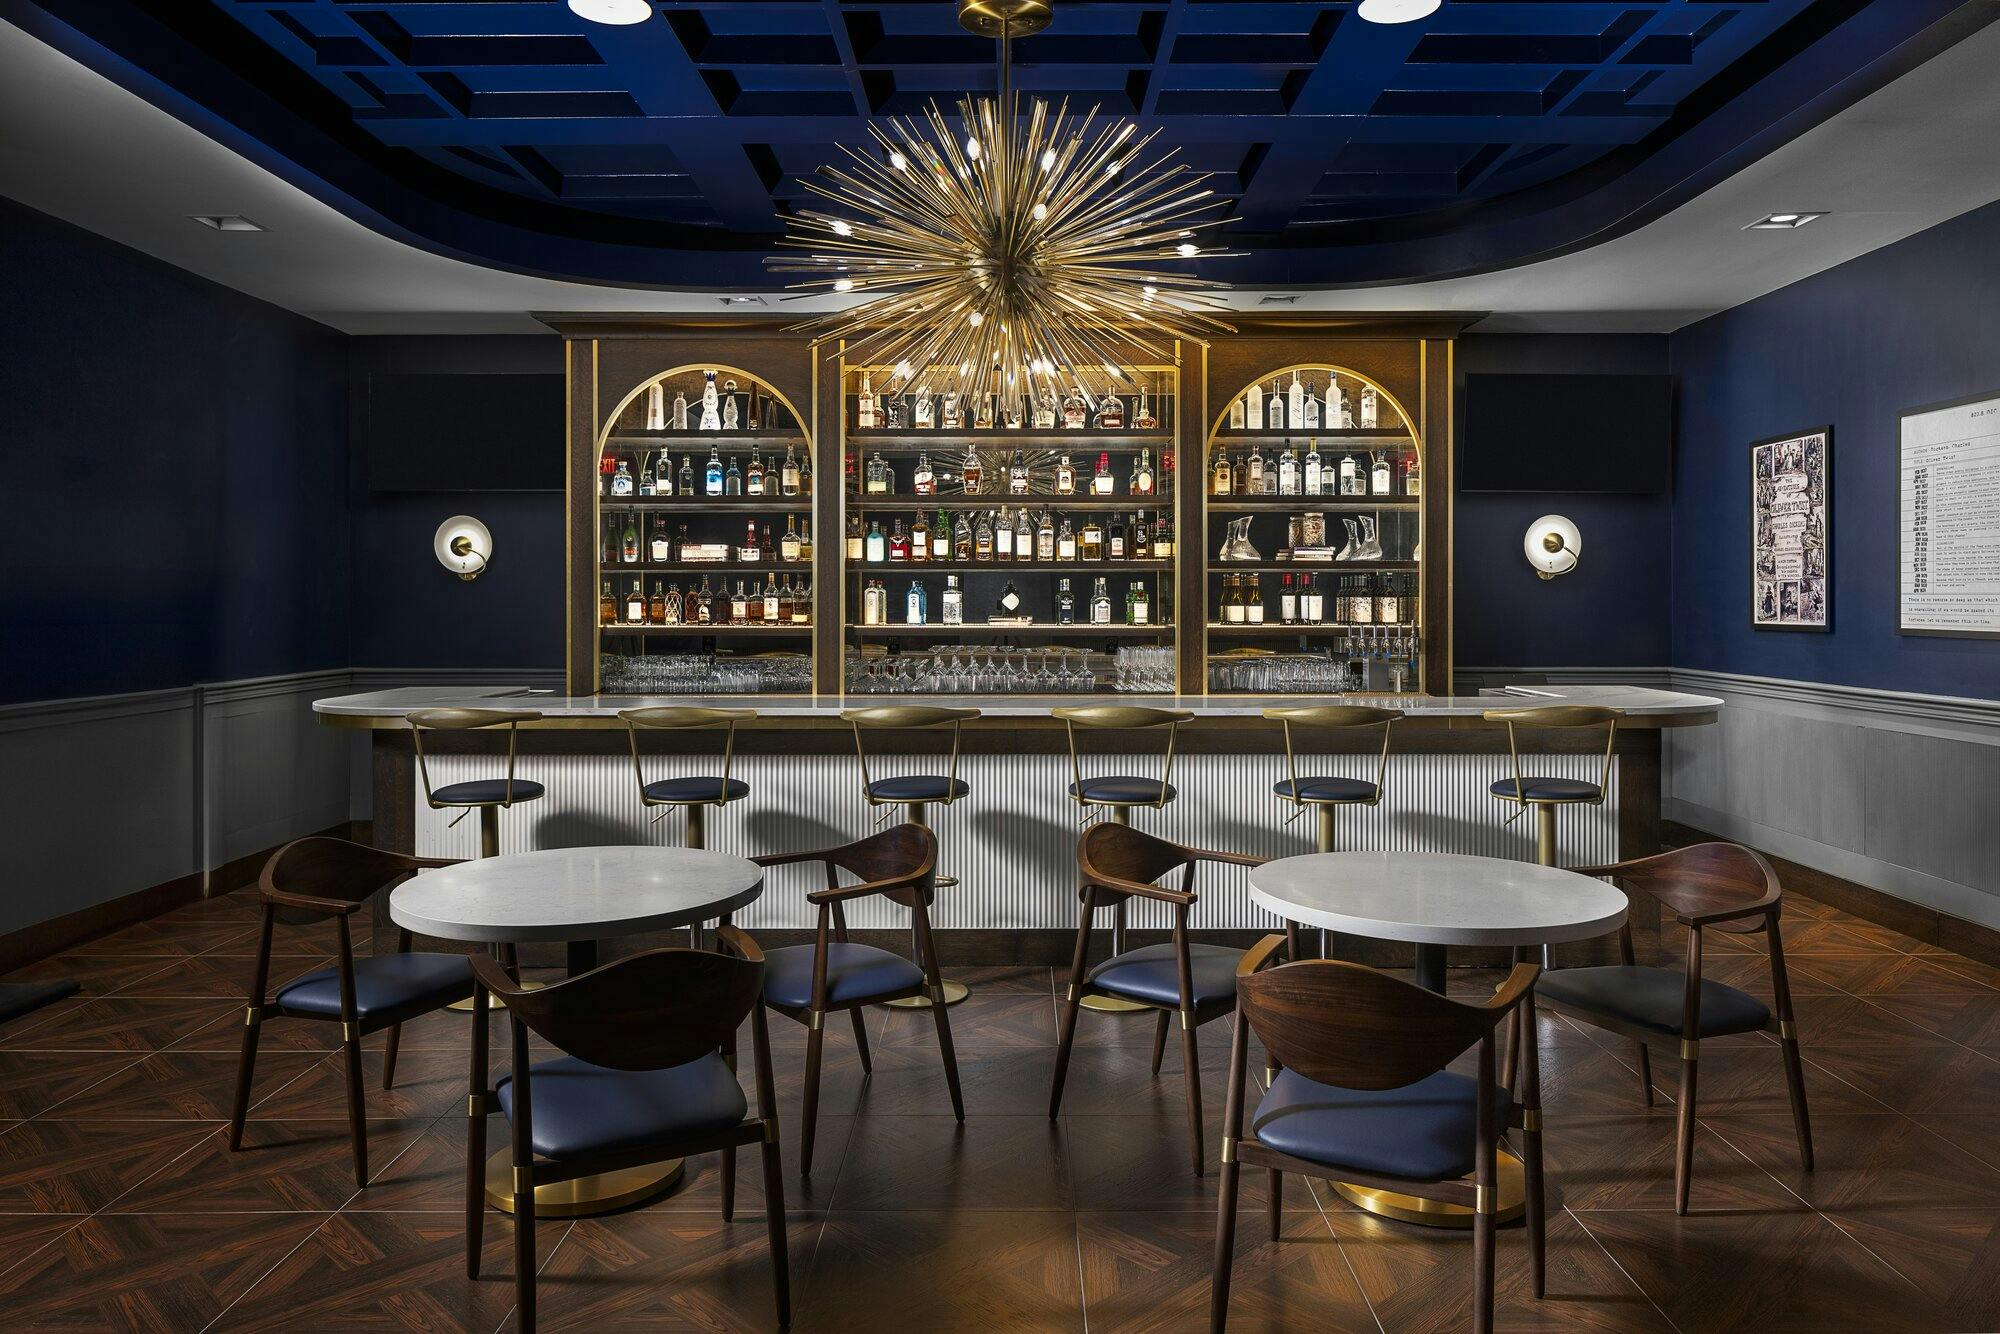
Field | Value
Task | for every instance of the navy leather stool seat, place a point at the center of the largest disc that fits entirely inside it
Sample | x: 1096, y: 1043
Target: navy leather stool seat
x: 696, y: 789
x: 580, y: 1108
x: 1653, y: 998
x: 382, y: 982
x: 486, y: 792
x: 1327, y: 789
x: 1424, y: 1131
x: 1546, y: 789
x: 853, y: 973
x: 918, y: 787
x: 1116, y: 790
x: 1150, y: 974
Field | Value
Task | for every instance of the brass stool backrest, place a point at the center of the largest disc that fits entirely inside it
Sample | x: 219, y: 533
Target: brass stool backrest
x: 882, y: 717
x: 1120, y: 717
x: 1339, y: 717
x: 684, y: 718
x: 1558, y: 717
x: 466, y: 720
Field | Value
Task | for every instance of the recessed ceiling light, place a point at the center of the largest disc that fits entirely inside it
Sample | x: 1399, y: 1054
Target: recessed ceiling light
x: 623, y: 13
x: 226, y: 222
x: 742, y: 299
x: 1782, y: 222
x: 1397, y: 11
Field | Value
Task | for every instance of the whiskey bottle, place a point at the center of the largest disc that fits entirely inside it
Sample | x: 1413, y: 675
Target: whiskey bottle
x: 877, y: 549
x: 751, y: 551
x: 857, y: 540
x: 712, y: 483
x: 739, y: 605
x: 1091, y: 545
x: 1101, y: 482
x: 635, y: 606
x: 941, y: 537
x: 1100, y: 603
x: 877, y: 478
x: 951, y: 610
x: 607, y: 606
x: 864, y: 405
x: 972, y: 472
x: 1141, y: 483
x: 1138, y: 606
x: 1239, y: 475
x: 920, y: 538
x: 711, y: 417
x: 1413, y: 478
x: 899, y: 543
x: 1111, y: 413
x: 923, y: 482
x: 1045, y: 409
x: 1024, y: 535
x: 1065, y: 477
x: 732, y: 480
x: 621, y: 481
x: 675, y: 613
x: 1066, y: 541
x: 753, y: 477
x: 1163, y: 538
x: 1017, y: 475
x: 982, y: 539
x: 1220, y: 479
x: 788, y: 478
x: 921, y: 409
x: 704, y: 604
x: 806, y: 540
x: 802, y: 601
x: 806, y: 476
x: 1045, y: 539
x: 1076, y: 412
x: 961, y: 537
x: 777, y: 601
x: 1114, y: 538
x: 629, y: 543
x: 1065, y: 603
x: 954, y: 414
x: 917, y: 602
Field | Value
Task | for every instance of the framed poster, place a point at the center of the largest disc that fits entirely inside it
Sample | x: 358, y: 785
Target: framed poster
x: 1791, y: 531
x: 1948, y: 519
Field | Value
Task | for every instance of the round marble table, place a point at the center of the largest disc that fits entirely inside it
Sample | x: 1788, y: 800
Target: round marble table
x: 579, y: 896
x: 1433, y: 900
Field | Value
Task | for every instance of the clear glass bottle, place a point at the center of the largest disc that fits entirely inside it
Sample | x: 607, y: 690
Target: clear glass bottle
x: 1379, y: 475
x: 1253, y: 407
x: 1003, y: 535
x: 753, y: 476
x: 962, y: 540
x: 1101, y: 482
x: 1313, y: 482
x: 1236, y: 414
x: 1220, y: 478
x: 952, y: 609
x: 679, y: 420
x: 675, y: 615
x: 1370, y: 415
x: 712, y: 483
x: 1076, y: 410
x: 1111, y: 413
x: 972, y: 472
x: 1353, y: 482
x: 663, y: 477
x: 922, y: 409
x: 732, y: 479
x: 1288, y: 472
x: 874, y: 604
x: 1142, y: 415
x: 1045, y: 539
x: 982, y: 537
x: 1295, y: 402
x: 878, y: 545
x: 1274, y: 409
x: 1045, y: 409
x: 1253, y: 473
x: 1100, y: 603
x: 1141, y: 481
x: 788, y: 477
x: 687, y: 475
x: 646, y: 478
x: 865, y: 414
x: 923, y: 482
x: 877, y: 477
x: 954, y: 411
x: 1017, y: 475
x: 789, y: 546
x: 1065, y: 477
x: 917, y: 604
x: 1336, y: 403
x: 621, y: 481
x: 1065, y: 541
x: 1138, y: 606
x: 1413, y: 477
x: 662, y: 547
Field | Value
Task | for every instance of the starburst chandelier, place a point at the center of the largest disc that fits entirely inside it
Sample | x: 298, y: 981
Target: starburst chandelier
x: 1032, y: 253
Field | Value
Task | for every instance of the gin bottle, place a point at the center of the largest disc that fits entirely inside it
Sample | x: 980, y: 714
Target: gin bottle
x: 712, y: 483
x: 1352, y: 483
x: 1378, y: 475
x: 1065, y: 603
x: 732, y: 480
x: 917, y: 604
x: 952, y: 609
x: 1288, y: 472
x: 687, y: 475
x: 1100, y: 603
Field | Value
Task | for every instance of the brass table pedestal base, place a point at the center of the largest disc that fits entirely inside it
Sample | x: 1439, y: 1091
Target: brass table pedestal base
x: 493, y: 1002
x: 954, y: 992
x: 600, y: 1193
x: 1430, y: 1213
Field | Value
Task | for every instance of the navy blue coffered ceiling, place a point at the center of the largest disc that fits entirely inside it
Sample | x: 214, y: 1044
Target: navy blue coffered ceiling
x: 513, y: 133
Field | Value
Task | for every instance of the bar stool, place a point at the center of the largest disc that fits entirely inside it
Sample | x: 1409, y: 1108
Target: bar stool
x: 1113, y: 796
x: 916, y: 793
x: 1545, y: 795
x: 694, y: 795
x: 1327, y: 795
x: 488, y: 796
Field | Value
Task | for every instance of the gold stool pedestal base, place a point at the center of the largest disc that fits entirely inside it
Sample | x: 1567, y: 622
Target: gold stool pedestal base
x: 954, y: 992
x: 493, y: 1002
x: 1112, y: 1005
x: 1430, y: 1213
x: 596, y: 1194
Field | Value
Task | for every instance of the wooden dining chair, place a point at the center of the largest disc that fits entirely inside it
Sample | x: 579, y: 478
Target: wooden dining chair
x: 320, y: 879
x: 809, y: 982
x: 1197, y: 983
x: 1363, y: 1094
x: 1707, y: 887
x: 647, y: 1072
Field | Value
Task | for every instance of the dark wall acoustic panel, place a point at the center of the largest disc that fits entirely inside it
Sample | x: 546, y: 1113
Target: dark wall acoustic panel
x: 463, y: 432
x: 1567, y: 433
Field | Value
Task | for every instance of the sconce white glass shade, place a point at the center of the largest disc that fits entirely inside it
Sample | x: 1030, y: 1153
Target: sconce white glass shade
x: 1397, y: 11
x: 1552, y: 545
x: 463, y: 546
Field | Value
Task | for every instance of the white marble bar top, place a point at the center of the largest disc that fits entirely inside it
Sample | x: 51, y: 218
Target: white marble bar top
x: 1635, y: 701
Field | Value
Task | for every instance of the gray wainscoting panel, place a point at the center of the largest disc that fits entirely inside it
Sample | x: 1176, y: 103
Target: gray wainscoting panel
x: 270, y: 769
x: 1012, y: 843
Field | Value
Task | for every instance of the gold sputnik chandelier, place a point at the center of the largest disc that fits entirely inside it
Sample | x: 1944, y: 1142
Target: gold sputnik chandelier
x: 1032, y: 253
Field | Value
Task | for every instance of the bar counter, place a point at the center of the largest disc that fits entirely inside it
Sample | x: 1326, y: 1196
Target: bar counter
x: 1011, y: 841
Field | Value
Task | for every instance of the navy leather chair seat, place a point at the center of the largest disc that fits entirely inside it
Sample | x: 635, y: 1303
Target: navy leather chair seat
x: 1653, y: 998
x: 918, y: 787
x: 580, y: 1108
x: 382, y: 982
x: 1548, y: 789
x: 1326, y: 789
x: 1115, y: 790
x: 1151, y: 975
x: 853, y: 973
x: 1423, y: 1131
x: 696, y: 789
x: 486, y: 792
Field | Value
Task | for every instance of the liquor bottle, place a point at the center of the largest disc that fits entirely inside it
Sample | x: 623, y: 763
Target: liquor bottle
x: 941, y: 537
x: 1413, y: 478
x: 1111, y: 413
x: 1013, y: 414
x: 607, y: 606
x: 857, y: 540
x: 646, y: 478
x: 982, y: 538
x: 789, y: 546
x: 1253, y: 606
x: 1138, y: 607
x: 871, y: 604
x: 1253, y: 406
x: 954, y: 414
x: 1295, y: 402
x: 1312, y: 409
x: 1101, y: 482
x: 923, y: 482
x: 917, y: 602
x: 1362, y: 601
x: 732, y: 480
x: 1336, y: 403
x: 1163, y: 538
x: 1024, y: 535
x: 1288, y: 471
x: 1379, y: 475
x: 1065, y: 603
x: 802, y: 603
x: 1114, y: 538
x: 1312, y: 603
x: 1065, y: 477
x: 704, y: 604
x: 1236, y: 414
x: 1314, y: 479
x: 1239, y: 475
x: 893, y: 412
x: 1253, y: 473
x: 1101, y: 605
x: 621, y: 481
x: 1288, y: 602
x: 635, y: 606
x: 1017, y: 475
x: 663, y: 476
x: 899, y: 542
x: 1386, y: 609
x: 712, y: 483
x: 920, y: 538
x: 806, y: 476
x: 1076, y: 411
x: 983, y: 419
x: 877, y: 550
x: 1370, y: 408
x: 1141, y: 537
x: 1090, y: 547
x: 729, y: 417
x: 961, y: 537
x: 687, y: 475
x: 682, y: 545
x: 753, y: 477
x: 675, y: 612
x: 922, y: 409
x: 711, y: 417
x: 1045, y: 409
x: 1142, y: 474
x: 739, y: 605
x: 952, y: 610
x: 1045, y: 539
x: 877, y: 477
x: 788, y: 477
x: 806, y: 540
x: 775, y: 610
x: 1274, y: 409
x: 628, y: 545
x: 1008, y: 605
x: 1066, y: 541
x: 972, y: 472
x: 864, y: 405
x: 679, y: 420
x: 1142, y: 415
x: 1221, y: 480
x: 751, y: 551
x: 1232, y: 600
x: 1352, y: 480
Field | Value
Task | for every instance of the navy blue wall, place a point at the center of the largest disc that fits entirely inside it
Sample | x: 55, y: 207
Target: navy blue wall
x: 1914, y: 323
x: 408, y: 610
x: 175, y: 462
x: 1611, y: 611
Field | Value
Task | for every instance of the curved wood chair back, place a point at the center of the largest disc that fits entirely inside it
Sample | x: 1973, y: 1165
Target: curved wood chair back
x: 1108, y: 853
x: 1703, y: 880
x: 1348, y: 1025
x: 651, y: 1011
x: 902, y: 858
x: 332, y: 870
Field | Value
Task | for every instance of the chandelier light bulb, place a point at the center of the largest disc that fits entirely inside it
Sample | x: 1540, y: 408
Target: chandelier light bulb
x: 899, y: 162
x: 1040, y: 212
x: 972, y: 149
x: 1049, y: 160
x: 841, y: 228
x: 975, y: 319
x: 843, y: 284
x: 1188, y: 249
